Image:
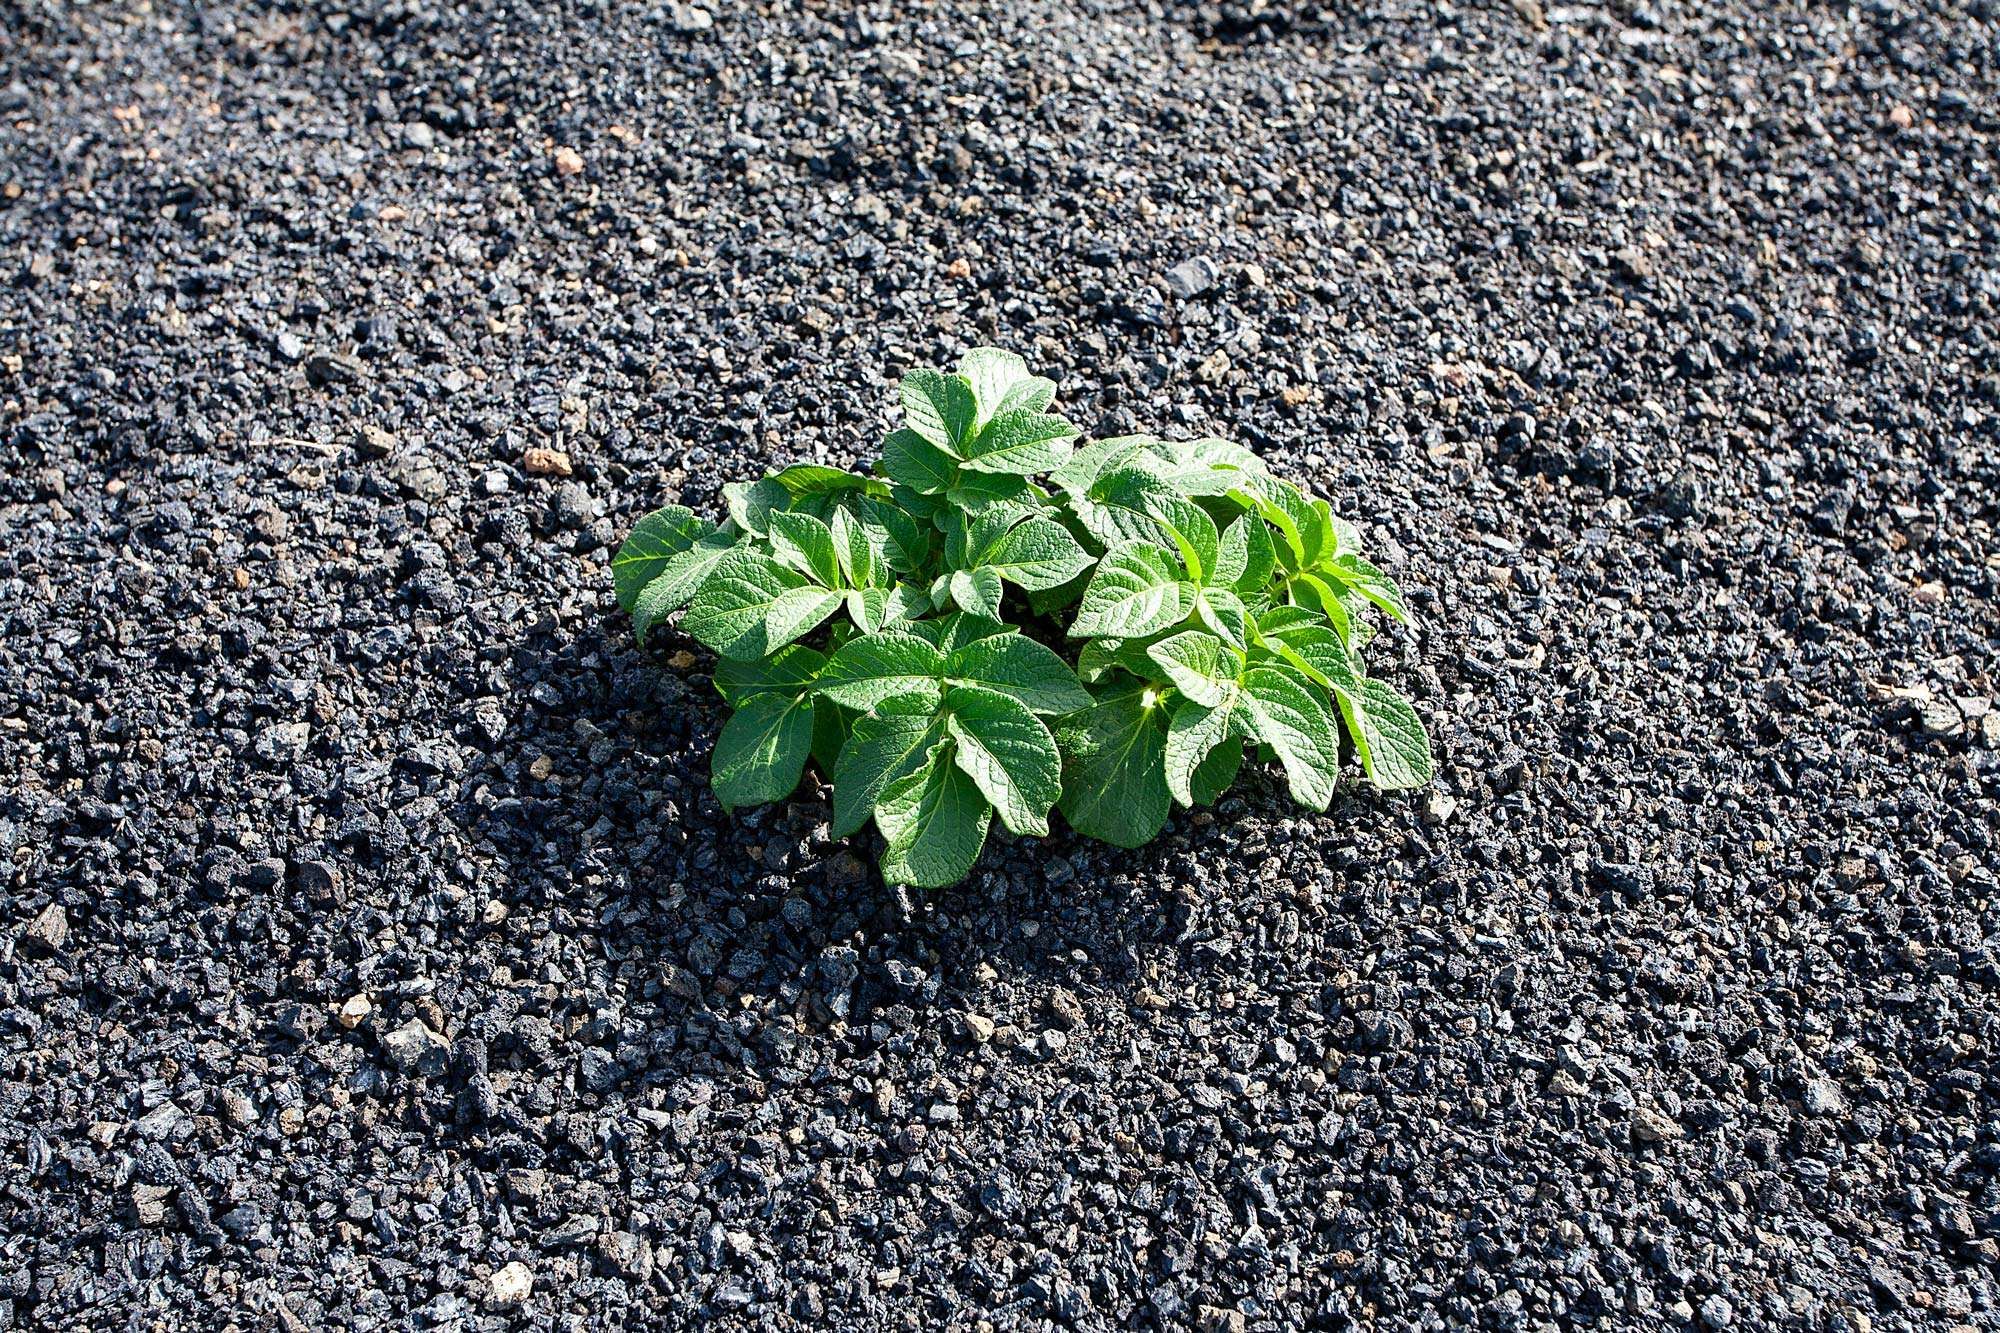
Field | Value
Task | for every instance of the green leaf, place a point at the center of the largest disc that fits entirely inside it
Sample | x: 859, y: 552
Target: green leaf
x: 1213, y: 775
x: 896, y: 534
x: 1015, y: 665
x: 788, y: 673
x: 888, y: 743
x: 954, y: 631
x: 1099, y: 656
x: 1020, y: 442
x: 939, y: 407
x: 1121, y: 505
x: 1087, y: 464
x: 1318, y: 652
x: 913, y: 461
x: 1200, y: 665
x: 1281, y: 505
x: 1389, y: 737
x: 1114, y: 782
x: 656, y: 539
x: 832, y: 725
x: 865, y: 607
x: 1323, y: 596
x: 1286, y: 713
x: 1246, y: 560
x: 751, y: 502
x: 935, y: 820
x: 802, y: 480
x: 1137, y: 590
x: 1196, y: 731
x: 975, y: 491
x: 1370, y: 582
x: 803, y: 543
x: 1190, y: 530
x: 1199, y: 467
x: 880, y: 666
x: 1036, y: 555
x: 977, y: 591
x: 861, y: 557
x: 762, y: 750
x: 751, y: 606
x: 1223, y: 612
x: 906, y: 602
x: 1008, y: 753
x: 967, y: 537
x: 1001, y: 383
x: 680, y: 579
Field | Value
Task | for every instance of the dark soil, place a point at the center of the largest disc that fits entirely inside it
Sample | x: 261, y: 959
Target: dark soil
x: 372, y: 954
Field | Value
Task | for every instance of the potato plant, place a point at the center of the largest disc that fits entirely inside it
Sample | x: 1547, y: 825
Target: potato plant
x: 1000, y: 622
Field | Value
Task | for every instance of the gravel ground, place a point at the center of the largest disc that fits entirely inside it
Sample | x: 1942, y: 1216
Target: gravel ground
x: 372, y: 955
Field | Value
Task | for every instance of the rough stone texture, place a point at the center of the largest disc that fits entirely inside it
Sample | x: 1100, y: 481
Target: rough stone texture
x: 1653, y: 346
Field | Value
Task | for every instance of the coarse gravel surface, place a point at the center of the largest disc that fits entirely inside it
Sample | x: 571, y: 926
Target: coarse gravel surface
x: 373, y: 956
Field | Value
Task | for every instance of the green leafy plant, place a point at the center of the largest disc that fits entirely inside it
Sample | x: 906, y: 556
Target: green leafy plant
x: 1002, y: 622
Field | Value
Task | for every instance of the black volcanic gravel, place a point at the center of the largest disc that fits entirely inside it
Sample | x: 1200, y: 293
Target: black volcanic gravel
x: 373, y: 956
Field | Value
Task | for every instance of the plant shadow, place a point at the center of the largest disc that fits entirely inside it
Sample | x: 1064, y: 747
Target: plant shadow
x: 594, y: 804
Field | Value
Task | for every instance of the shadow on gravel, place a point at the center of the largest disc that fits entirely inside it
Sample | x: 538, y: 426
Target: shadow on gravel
x: 594, y: 802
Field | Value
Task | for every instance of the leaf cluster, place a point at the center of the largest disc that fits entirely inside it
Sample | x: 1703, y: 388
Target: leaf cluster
x: 1002, y: 622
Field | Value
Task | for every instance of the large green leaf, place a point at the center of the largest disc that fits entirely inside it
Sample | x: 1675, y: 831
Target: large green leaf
x: 878, y: 666
x: 751, y: 606
x: 1370, y: 582
x: 789, y: 672
x: 1319, y: 652
x: 803, y: 543
x: 751, y: 503
x: 1001, y: 382
x: 939, y: 407
x: 1196, y: 731
x: 975, y: 491
x: 913, y: 461
x: 803, y: 480
x: 1114, y: 784
x: 1137, y: 590
x: 888, y: 743
x: 1190, y: 530
x: 951, y: 632
x: 1016, y: 665
x: 1222, y: 612
x: 1282, y: 505
x: 903, y: 541
x: 1122, y: 505
x: 680, y: 579
x: 861, y: 549
x: 1200, y: 665
x: 1094, y: 460
x: 656, y: 539
x: 1388, y: 735
x: 1213, y: 775
x: 1245, y: 560
x: 935, y: 821
x: 1206, y: 467
x: 1288, y: 714
x: 977, y: 591
x: 762, y: 750
x: 1037, y: 554
x: 1008, y: 753
x: 1019, y: 442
